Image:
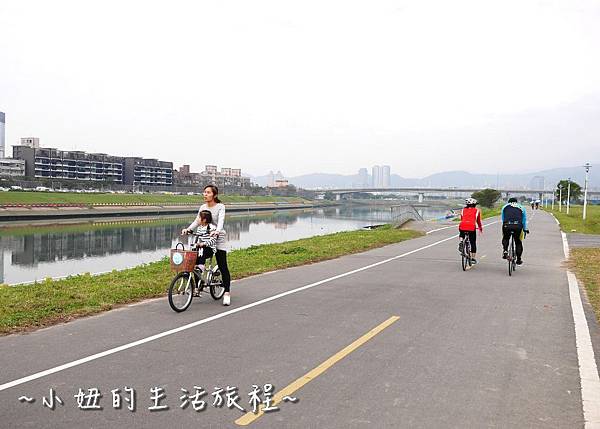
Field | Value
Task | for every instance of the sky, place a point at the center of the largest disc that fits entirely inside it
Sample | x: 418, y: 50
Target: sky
x: 313, y: 86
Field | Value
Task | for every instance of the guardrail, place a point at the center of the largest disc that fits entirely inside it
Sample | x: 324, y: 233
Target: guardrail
x: 404, y: 213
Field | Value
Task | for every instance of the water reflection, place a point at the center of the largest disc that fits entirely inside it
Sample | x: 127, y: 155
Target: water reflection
x: 29, y: 254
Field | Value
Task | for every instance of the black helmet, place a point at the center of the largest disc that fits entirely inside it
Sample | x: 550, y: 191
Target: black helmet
x: 512, y: 200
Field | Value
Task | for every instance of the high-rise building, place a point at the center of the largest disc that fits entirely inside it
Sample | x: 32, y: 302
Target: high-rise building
x: 2, y: 136
x: 363, y: 177
x: 376, y: 176
x: 381, y: 176
x: 386, y: 176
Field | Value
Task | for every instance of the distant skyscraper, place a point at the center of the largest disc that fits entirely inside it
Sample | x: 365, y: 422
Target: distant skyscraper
x: 376, y: 176
x: 381, y: 176
x: 386, y: 179
x: 2, y: 137
x: 271, y: 179
x: 363, y: 177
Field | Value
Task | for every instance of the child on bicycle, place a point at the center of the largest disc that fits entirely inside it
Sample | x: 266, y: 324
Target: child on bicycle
x: 470, y: 221
x: 206, y: 240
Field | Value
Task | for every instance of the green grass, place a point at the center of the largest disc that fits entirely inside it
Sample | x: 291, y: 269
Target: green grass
x: 485, y: 213
x: 586, y: 264
x: 573, y: 222
x: 15, y: 197
x: 54, y: 301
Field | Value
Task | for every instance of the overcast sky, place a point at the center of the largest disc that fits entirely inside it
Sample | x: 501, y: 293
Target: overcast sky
x: 308, y: 86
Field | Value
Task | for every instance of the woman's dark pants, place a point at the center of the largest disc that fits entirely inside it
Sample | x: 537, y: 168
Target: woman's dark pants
x: 222, y: 263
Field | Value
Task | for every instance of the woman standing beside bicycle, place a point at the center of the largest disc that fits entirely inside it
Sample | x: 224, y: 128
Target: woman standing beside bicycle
x: 470, y: 221
x: 217, y: 209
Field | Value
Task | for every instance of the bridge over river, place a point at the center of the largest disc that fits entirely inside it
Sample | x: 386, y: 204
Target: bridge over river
x: 452, y: 192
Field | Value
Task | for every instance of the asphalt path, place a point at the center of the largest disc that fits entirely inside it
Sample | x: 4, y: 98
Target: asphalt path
x: 460, y: 349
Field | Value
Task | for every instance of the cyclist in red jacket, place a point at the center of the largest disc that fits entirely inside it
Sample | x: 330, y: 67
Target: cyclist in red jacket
x: 470, y: 221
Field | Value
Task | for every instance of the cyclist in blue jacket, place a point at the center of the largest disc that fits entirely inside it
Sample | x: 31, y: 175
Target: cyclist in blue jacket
x: 514, y: 220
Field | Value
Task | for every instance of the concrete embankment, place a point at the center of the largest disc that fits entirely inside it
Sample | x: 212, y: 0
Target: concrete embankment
x: 23, y: 213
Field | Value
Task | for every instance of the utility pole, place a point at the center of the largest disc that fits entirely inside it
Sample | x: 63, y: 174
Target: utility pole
x: 560, y: 197
x: 569, y: 195
x: 587, y: 171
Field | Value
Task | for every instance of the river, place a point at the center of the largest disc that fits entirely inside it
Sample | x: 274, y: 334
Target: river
x: 37, y: 252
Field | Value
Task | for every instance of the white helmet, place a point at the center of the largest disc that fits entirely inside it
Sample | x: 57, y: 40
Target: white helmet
x: 470, y: 201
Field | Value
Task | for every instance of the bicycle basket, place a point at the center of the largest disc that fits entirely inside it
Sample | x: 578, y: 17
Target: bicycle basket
x: 183, y: 260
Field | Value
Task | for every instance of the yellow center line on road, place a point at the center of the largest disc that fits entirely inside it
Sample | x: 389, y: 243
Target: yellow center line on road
x: 250, y: 417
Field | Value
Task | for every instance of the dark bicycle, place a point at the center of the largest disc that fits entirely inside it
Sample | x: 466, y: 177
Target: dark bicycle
x: 512, y: 254
x: 465, y: 255
x: 190, y: 282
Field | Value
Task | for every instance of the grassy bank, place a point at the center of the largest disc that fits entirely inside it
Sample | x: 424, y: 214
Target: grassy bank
x: 485, y: 213
x: 586, y: 264
x: 54, y: 301
x: 82, y: 198
x: 574, y: 220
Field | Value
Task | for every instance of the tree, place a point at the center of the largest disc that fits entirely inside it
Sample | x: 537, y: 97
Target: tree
x: 575, y: 190
x: 487, y: 197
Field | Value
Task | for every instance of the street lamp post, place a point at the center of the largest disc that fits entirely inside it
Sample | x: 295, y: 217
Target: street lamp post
x: 587, y: 171
x: 553, y: 195
x: 568, y: 195
x: 560, y: 197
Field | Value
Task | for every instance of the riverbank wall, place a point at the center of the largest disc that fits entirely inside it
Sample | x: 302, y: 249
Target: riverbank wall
x: 37, y: 212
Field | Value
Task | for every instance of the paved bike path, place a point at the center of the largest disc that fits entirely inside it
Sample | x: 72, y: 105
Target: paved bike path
x: 470, y: 349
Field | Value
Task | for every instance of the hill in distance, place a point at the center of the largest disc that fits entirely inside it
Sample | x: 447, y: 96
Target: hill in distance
x: 450, y: 179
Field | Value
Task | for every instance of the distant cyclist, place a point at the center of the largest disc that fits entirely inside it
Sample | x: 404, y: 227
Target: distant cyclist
x: 514, y: 220
x: 470, y: 221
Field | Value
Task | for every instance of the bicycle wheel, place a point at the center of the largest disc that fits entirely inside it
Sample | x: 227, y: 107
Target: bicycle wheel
x: 181, y: 291
x: 514, y: 254
x: 465, y: 256
x: 468, y: 246
x: 216, y: 285
x: 511, y: 255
